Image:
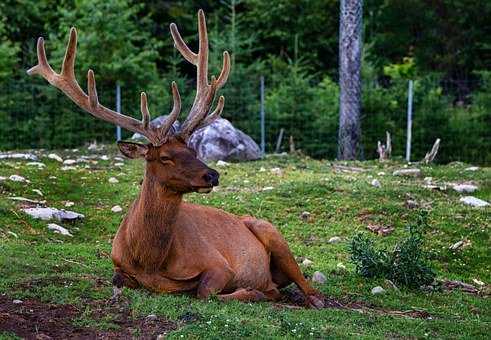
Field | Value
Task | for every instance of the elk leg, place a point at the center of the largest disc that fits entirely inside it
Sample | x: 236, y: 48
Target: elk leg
x: 244, y: 295
x: 214, y: 280
x: 282, y: 257
x: 160, y: 284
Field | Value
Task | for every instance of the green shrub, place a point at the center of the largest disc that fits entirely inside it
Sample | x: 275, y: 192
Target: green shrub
x: 406, y: 264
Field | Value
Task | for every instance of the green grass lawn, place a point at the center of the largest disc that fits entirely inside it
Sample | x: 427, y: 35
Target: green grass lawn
x: 37, y: 264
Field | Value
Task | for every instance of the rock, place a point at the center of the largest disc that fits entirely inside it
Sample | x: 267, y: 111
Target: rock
x: 376, y: 183
x: 68, y: 168
x: 221, y: 163
x: 478, y: 282
x: 460, y: 244
x: 465, y: 188
x: 23, y: 199
x: 119, y: 164
x: 59, y: 229
x: 341, y: 266
x: 18, y: 155
x: 55, y: 157
x: 474, y: 201
x: 267, y: 188
x: 151, y: 317
x: 335, y: 239
x: 411, y: 204
x: 307, y: 263
x: 38, y: 164
x: 305, y: 216
x: 277, y: 171
x: 161, y: 337
x: 104, y: 158
x: 381, y: 173
x: 377, y: 290
x: 69, y: 204
x: 221, y: 141
x: 407, y: 172
x: 17, y: 302
x: 37, y: 191
x: 116, y: 209
x: 262, y: 169
x: 428, y: 180
x: 380, y: 230
x: 472, y: 168
x: 113, y: 180
x: 52, y: 213
x: 17, y: 178
x: 69, y: 162
x: 119, y: 159
x: 2, y: 178
x: 319, y: 277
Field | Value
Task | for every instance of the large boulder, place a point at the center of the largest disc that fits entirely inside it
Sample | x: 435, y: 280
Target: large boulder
x: 218, y: 141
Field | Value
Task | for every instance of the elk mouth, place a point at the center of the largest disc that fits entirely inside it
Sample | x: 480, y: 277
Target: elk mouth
x: 204, y: 190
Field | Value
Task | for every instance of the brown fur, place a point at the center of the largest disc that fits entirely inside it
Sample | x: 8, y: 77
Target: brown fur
x: 168, y: 245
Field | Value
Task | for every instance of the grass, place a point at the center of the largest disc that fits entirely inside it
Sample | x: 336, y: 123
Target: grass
x: 37, y: 263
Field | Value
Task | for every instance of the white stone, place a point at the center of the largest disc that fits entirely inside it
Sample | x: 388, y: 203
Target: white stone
x: 17, y: 302
x: 151, y: 317
x: 69, y: 162
x: 307, y: 263
x: 472, y: 168
x: 474, y: 201
x: 222, y: 163
x: 69, y: 204
x: 119, y: 164
x: 407, y: 172
x: 319, y: 277
x: 377, y: 290
x: 113, y: 180
x: 104, y: 158
x: 55, y: 157
x: 59, y: 229
x: 116, y: 209
x: 68, y: 168
x: 18, y: 155
x: 305, y: 215
x: 376, y: 183
x: 341, y: 266
x: 334, y: 239
x: 465, y: 188
x: 277, y: 171
x: 38, y: 164
x: 2, y: 178
x: 456, y: 245
x: 428, y: 180
x: 23, y: 199
x: 119, y: 159
x: 17, y: 178
x: 381, y: 173
x: 268, y: 188
x: 37, y: 191
x: 52, y: 213
x: 262, y: 169
x: 478, y: 282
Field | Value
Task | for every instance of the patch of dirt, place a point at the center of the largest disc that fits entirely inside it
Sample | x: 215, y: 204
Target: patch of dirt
x: 33, y: 319
x: 294, y: 299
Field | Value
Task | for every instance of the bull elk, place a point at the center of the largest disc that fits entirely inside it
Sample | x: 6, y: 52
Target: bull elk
x: 164, y: 243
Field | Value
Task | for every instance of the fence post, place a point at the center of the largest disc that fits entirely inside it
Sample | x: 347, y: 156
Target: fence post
x: 409, y: 120
x: 118, y: 109
x: 263, y: 128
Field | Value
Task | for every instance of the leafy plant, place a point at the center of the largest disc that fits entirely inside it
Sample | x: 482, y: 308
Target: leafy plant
x: 406, y: 264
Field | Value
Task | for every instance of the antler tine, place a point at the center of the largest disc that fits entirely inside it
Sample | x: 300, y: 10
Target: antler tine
x: 181, y: 45
x: 92, y: 89
x: 144, y: 110
x: 215, y: 114
x: 202, y: 66
x: 176, y: 110
x: 68, y: 66
x: 42, y: 68
x: 222, y: 78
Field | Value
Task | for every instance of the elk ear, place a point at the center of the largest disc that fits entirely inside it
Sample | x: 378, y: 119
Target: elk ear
x: 133, y: 150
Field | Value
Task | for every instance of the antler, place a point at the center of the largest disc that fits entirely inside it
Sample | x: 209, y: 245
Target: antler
x: 67, y: 83
x: 205, y: 92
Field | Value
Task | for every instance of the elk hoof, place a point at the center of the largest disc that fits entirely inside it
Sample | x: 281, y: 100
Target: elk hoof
x: 315, y: 301
x: 117, y: 294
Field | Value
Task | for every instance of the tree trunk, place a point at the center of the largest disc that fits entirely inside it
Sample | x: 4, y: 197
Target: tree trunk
x: 350, y: 47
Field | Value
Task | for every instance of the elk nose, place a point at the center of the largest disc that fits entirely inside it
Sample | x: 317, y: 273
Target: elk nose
x: 211, y: 177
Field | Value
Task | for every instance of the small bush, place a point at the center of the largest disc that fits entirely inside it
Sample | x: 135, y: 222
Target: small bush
x: 405, y: 265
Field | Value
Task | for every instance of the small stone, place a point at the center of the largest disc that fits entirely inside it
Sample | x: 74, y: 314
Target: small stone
x: 377, y: 290
x: 59, y: 229
x: 277, y: 171
x: 38, y: 164
x: 68, y: 168
x: 17, y: 155
x: 262, y: 169
x: 376, y: 183
x: 411, y: 204
x: 474, y: 201
x: 456, y: 245
x: 37, y: 191
x: 305, y: 216
x: 119, y: 164
x: 222, y: 163
x: 116, y: 209
x: 104, y: 158
x: 407, y: 172
x: 17, y: 302
x: 55, y: 157
x: 113, y: 180
x: 69, y: 204
x: 307, y: 263
x: 268, y: 188
x: 472, y: 168
x: 69, y: 162
x: 2, y: 178
x: 334, y: 239
x: 465, y: 188
x: 161, y: 337
x: 428, y: 180
x: 52, y: 213
x: 151, y: 317
x: 478, y: 282
x: 17, y: 178
x: 319, y: 277
x: 381, y: 173
x: 119, y: 159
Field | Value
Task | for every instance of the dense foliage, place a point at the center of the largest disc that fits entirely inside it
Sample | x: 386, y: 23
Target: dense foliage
x: 442, y: 45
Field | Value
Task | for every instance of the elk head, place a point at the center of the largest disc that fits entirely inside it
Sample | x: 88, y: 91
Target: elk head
x: 169, y: 160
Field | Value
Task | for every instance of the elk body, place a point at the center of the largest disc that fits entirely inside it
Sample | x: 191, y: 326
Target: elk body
x: 164, y: 243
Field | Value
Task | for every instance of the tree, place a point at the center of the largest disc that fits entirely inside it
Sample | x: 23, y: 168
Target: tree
x: 350, y: 47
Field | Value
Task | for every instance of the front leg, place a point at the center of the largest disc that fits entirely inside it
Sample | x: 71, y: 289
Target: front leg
x: 214, y: 280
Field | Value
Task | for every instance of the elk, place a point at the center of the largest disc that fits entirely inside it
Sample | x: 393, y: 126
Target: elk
x: 164, y: 243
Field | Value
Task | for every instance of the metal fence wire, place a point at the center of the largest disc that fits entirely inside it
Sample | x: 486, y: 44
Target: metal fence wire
x: 35, y: 115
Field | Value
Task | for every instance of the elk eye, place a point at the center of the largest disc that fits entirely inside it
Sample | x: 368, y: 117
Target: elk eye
x: 165, y: 159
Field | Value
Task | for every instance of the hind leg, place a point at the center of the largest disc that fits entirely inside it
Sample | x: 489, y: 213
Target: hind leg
x: 282, y: 258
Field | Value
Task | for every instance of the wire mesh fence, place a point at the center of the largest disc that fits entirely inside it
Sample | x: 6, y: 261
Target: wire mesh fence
x: 35, y: 115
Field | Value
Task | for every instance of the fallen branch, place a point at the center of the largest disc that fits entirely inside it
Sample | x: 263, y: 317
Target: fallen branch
x: 430, y: 156
x: 384, y: 151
